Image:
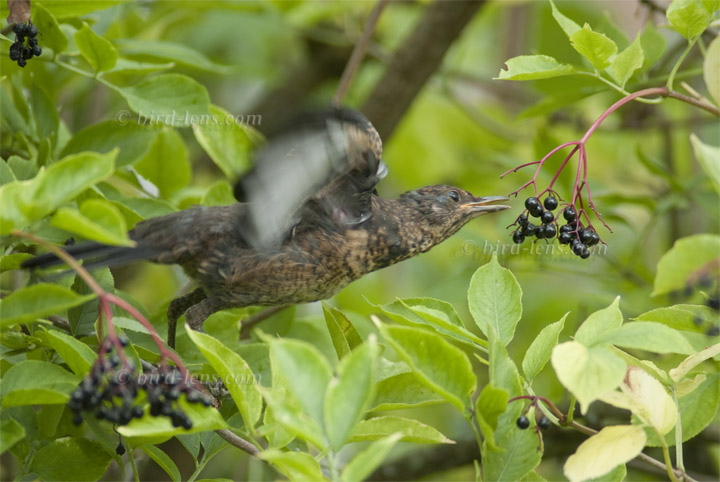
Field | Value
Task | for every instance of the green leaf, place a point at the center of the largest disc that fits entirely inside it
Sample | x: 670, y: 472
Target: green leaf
x: 365, y: 462
x: 595, y: 47
x: 45, y: 111
x: 627, y: 62
x: 11, y: 432
x: 343, y: 334
x: 163, y: 460
x: 604, y: 451
x: 490, y: 404
x: 711, y: 75
x: 166, y: 164
x: 429, y: 312
x: 173, y: 99
x: 236, y: 375
x: 78, y: 356
x: 688, y: 17
x: 685, y: 257
x: 533, y: 67
x: 35, y: 382
x: 82, y: 317
x: 32, y: 302
x: 679, y: 317
x: 77, y: 8
x: 299, y: 466
x: 568, y: 26
x: 502, y: 370
x: 592, y: 331
x: 402, y: 391
x: 350, y: 392
x: 679, y: 372
x: 410, y: 429
x: 444, y: 368
x: 541, y: 348
x: 204, y: 419
x: 70, y: 459
x: 98, y: 51
x: 517, y: 450
x: 649, y: 336
x: 13, y: 261
x: 46, y: 23
x: 128, y: 68
x: 97, y: 220
x: 494, y: 299
x: 170, y: 52
x: 697, y: 411
x: 219, y: 193
x: 133, y: 139
x: 587, y: 372
x: 305, y: 372
x: 67, y: 178
x: 286, y: 410
x: 653, y: 45
x: 709, y: 156
x: 225, y: 141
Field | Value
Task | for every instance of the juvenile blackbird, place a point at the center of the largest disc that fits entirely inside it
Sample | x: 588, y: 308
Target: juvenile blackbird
x: 312, y: 223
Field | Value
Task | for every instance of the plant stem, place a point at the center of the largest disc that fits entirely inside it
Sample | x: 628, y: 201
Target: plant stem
x: 671, y: 78
x: 571, y: 410
x: 668, y: 462
x: 678, y: 435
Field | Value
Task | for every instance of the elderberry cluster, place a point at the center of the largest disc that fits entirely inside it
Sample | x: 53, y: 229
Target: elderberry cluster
x: 21, y: 52
x: 111, y: 388
x: 579, y: 238
x: 523, y: 422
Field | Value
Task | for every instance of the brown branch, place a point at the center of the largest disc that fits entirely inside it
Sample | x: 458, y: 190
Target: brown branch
x: 238, y: 442
x: 416, y: 60
x: 252, y: 320
x: 697, y: 103
x: 358, y: 52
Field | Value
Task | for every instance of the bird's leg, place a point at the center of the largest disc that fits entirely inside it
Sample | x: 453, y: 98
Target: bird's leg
x: 196, y: 314
x: 177, y: 307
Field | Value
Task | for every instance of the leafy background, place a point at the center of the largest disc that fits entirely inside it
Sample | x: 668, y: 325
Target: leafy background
x: 463, y: 129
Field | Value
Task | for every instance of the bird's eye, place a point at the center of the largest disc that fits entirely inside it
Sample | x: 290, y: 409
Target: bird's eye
x: 454, y: 195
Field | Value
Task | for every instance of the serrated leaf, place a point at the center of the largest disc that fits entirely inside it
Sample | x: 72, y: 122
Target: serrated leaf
x: 343, y: 334
x: 587, y: 372
x: 78, y: 356
x: 594, y: 46
x: 163, y: 460
x: 627, y: 62
x: 534, y: 67
x: 97, y: 220
x: 52, y: 35
x: 236, y: 375
x: 568, y: 26
x: 540, y: 350
x: 411, y: 430
x: 30, y: 303
x: 604, y: 451
x: 596, y: 325
x: 365, y: 462
x: 494, y: 299
x: 226, y: 142
x: 649, y: 336
x: 299, y: 466
x: 166, y: 163
x: 70, y: 459
x: 98, y: 51
x: 679, y: 372
x: 688, y: 17
x: 490, y: 404
x: 402, y: 391
x: 35, y: 382
x: 132, y: 139
x: 173, y: 99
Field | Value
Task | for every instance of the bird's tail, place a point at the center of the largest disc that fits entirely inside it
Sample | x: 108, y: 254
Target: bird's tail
x: 93, y: 255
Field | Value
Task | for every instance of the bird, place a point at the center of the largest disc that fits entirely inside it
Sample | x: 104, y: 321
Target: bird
x: 308, y: 221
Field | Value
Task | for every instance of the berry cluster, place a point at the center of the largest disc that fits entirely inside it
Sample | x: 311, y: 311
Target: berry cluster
x: 543, y: 422
x: 111, y: 388
x: 579, y: 238
x: 18, y: 50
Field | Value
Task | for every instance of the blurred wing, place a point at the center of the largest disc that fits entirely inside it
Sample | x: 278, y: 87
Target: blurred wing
x: 323, y: 171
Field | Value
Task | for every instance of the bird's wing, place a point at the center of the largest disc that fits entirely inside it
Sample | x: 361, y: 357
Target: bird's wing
x: 321, y: 171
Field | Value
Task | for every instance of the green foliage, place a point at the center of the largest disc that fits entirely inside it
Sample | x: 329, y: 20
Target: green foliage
x: 121, y: 120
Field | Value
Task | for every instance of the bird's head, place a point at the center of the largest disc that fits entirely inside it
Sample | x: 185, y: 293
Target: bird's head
x: 445, y: 209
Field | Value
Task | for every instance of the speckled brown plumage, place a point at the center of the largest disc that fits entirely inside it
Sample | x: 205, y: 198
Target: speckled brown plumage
x: 339, y: 231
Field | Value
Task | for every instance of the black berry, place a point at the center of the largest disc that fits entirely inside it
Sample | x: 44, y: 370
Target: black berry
x: 529, y: 230
x: 549, y: 231
x: 532, y: 203
x: 518, y: 238
x: 586, y: 236
x: 569, y: 214
x: 713, y: 331
x: 536, y: 211
x: 544, y: 423
x: 566, y: 228
x: 120, y: 449
x: 595, y: 239
x: 523, y: 422
x: 522, y: 220
x: 550, y: 203
x: 577, y: 248
x: 547, y: 217
x: 565, y: 238
x: 585, y: 253
x: 713, y: 302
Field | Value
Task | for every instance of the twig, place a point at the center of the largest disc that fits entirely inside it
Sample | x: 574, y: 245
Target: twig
x: 252, y: 320
x: 238, y: 442
x: 358, y: 52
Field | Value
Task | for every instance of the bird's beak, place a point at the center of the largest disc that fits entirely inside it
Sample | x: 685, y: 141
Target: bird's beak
x: 484, y: 205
